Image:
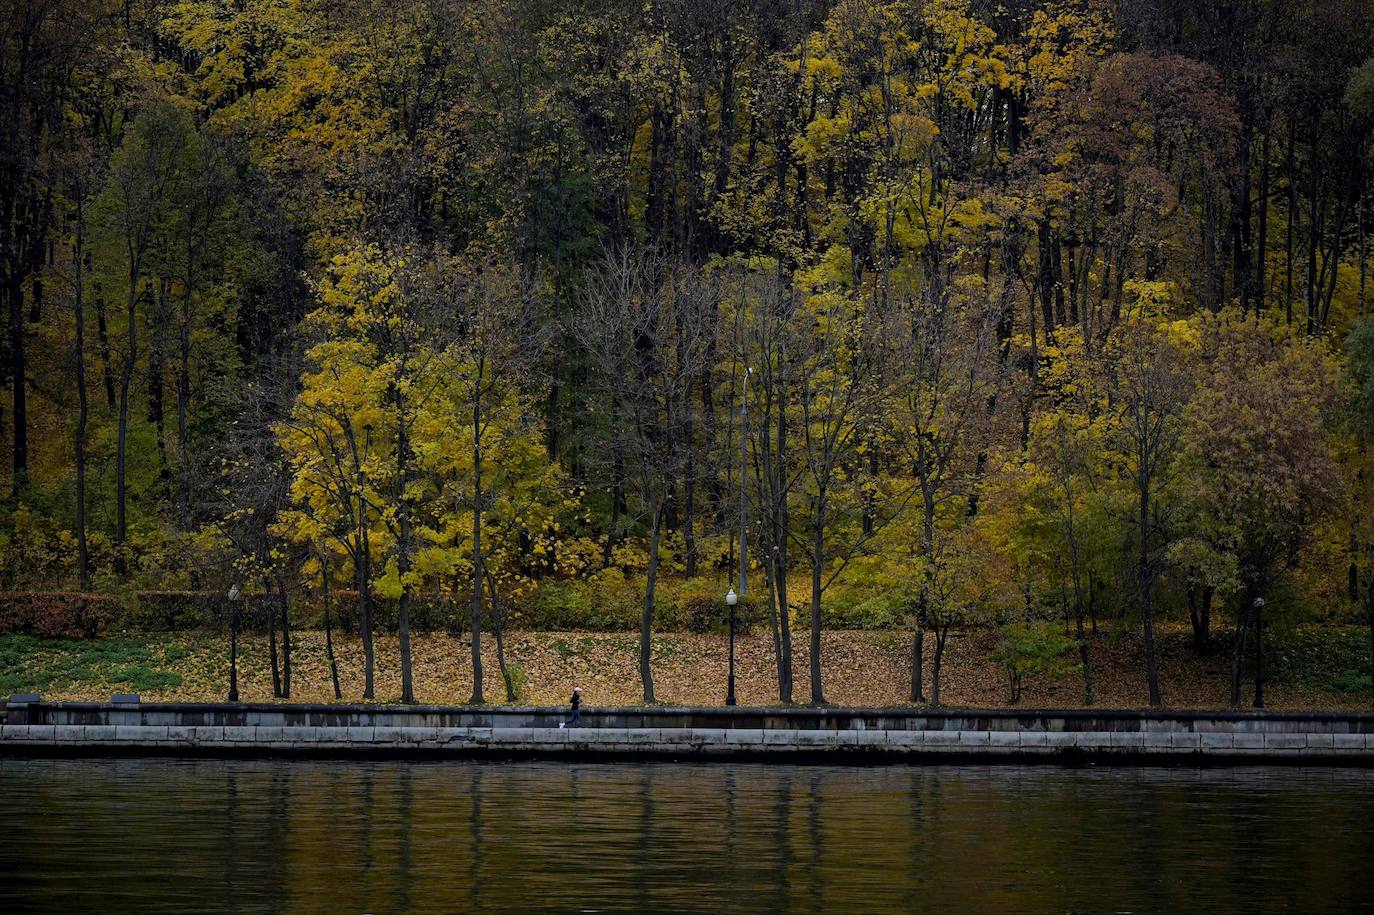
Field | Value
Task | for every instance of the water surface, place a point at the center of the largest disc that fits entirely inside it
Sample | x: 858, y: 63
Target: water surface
x: 310, y: 836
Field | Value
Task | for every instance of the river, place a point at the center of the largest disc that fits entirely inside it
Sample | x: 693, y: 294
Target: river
x: 155, y: 835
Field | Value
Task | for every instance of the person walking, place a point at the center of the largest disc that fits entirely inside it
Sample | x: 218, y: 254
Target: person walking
x: 576, y: 717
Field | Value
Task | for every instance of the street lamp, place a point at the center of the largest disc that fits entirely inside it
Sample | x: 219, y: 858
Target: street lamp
x: 731, y: 598
x: 234, y: 592
x: 1259, y: 652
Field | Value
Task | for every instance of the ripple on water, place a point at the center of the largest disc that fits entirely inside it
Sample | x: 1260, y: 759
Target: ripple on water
x: 173, y: 835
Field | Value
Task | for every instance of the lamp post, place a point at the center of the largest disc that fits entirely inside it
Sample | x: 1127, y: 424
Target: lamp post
x: 1259, y: 652
x: 731, y: 598
x: 234, y: 592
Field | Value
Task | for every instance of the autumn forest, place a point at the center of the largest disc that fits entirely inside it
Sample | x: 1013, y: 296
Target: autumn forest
x: 1043, y: 318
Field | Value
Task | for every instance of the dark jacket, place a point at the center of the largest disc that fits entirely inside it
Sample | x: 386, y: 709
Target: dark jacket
x: 576, y: 701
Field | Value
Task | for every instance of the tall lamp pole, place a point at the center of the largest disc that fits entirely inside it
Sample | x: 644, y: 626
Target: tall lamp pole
x: 234, y: 592
x: 731, y: 598
x: 1259, y: 652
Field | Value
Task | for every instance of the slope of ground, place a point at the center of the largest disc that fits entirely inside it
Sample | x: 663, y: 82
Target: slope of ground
x: 860, y: 668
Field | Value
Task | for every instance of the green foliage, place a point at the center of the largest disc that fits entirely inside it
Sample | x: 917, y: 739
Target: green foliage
x: 519, y: 680
x: 336, y: 261
x: 1327, y: 658
x: 428, y: 613
x: 607, y: 605
x: 1034, y: 648
x: 699, y: 606
x: 143, y: 678
x: 1360, y: 363
x: 175, y: 611
x: 887, y: 610
x: 31, y: 663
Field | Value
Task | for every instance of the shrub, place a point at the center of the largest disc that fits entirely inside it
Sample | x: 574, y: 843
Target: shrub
x: 881, y: 611
x: 700, y: 609
x: 428, y: 613
x: 519, y: 680
x: 602, y: 604
x: 174, y: 611
x: 1034, y: 648
x: 1351, y: 681
x: 57, y: 614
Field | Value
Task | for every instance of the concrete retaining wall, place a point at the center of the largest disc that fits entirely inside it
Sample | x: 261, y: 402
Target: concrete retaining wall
x: 835, y: 734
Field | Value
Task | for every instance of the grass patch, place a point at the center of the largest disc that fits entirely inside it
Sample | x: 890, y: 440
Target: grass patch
x: 1334, y: 660
x: 144, y: 678
x: 28, y: 663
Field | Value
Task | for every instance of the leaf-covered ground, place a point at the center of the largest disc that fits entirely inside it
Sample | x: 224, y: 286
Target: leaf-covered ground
x: 1316, y: 669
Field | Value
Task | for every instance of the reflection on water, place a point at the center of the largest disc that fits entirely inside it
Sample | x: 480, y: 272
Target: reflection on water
x: 171, y: 835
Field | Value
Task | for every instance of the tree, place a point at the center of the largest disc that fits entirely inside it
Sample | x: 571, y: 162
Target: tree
x: 328, y: 441
x: 1360, y: 375
x: 943, y: 421
x: 254, y: 494
x: 377, y: 315
x: 143, y: 174
x: 500, y: 471
x: 1256, y: 456
x: 840, y: 381
x: 45, y: 48
x: 763, y: 323
x: 1150, y: 394
x: 640, y: 323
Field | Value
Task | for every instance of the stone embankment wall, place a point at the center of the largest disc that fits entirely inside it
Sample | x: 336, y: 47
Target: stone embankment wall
x: 36, y: 727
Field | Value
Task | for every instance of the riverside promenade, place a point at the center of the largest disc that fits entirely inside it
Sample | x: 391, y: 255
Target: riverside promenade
x: 31, y: 726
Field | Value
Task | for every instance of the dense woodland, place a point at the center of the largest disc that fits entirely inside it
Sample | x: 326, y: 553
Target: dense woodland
x: 989, y: 314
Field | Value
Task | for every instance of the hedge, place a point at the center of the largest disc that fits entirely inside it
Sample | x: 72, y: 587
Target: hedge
x: 57, y: 614
x: 174, y: 611
x: 427, y: 614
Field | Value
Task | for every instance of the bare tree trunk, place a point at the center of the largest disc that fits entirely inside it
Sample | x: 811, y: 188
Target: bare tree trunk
x: 83, y: 559
x: 918, y: 644
x: 1292, y: 214
x: 1238, y: 662
x: 498, y: 628
x: 1314, y: 231
x: 1369, y: 615
x: 941, y: 634
x: 478, y: 559
x: 1200, y: 615
x: 285, y: 638
x: 122, y: 436
x: 183, y: 406
x: 617, y: 509
x: 1364, y: 257
x: 272, y: 644
x: 365, y: 601
x: 326, y: 590
x: 780, y: 533
x: 103, y: 337
x: 403, y: 557
x: 18, y: 384
x: 1146, y: 607
x: 646, y: 675
x: 1084, y: 654
x: 689, y: 486
x: 156, y: 388
x: 1262, y: 246
x: 817, y: 557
